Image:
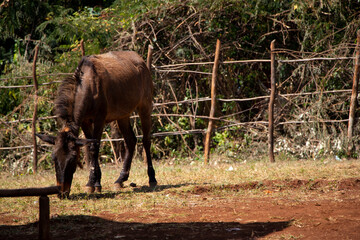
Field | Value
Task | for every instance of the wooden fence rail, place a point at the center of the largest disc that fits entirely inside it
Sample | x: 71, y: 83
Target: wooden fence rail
x: 206, y: 99
x: 29, y: 192
x: 199, y: 131
x: 163, y: 68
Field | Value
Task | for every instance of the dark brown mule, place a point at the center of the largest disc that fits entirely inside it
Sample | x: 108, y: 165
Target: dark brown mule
x: 104, y: 88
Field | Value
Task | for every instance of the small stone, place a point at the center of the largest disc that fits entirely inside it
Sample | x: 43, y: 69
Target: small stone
x: 132, y: 184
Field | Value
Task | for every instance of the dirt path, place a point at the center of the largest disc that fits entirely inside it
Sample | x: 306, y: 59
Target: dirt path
x: 268, y: 210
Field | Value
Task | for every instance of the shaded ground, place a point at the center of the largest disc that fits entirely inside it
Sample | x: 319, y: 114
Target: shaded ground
x: 295, y: 209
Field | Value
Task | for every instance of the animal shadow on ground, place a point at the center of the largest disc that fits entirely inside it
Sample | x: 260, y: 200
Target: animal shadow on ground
x: 160, y: 188
x: 91, y: 227
x: 142, y: 189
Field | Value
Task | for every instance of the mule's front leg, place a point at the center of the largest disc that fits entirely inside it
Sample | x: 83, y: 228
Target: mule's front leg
x: 94, y: 184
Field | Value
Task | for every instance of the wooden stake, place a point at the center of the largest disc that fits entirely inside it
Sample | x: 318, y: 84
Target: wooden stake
x: 149, y: 57
x: 44, y: 218
x: 271, y: 103
x: 35, y: 160
x: 82, y: 47
x: 213, y: 102
x: 354, y: 96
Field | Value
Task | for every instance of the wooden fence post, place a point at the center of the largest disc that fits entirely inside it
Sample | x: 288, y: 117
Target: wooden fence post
x: 35, y: 158
x: 82, y: 48
x: 271, y: 103
x: 44, y: 218
x: 149, y: 57
x: 213, y: 102
x: 354, y: 96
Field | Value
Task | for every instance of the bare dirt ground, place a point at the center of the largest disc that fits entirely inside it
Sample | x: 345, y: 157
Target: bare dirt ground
x: 296, y: 209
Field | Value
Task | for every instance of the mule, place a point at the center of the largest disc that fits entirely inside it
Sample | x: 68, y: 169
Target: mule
x: 104, y: 88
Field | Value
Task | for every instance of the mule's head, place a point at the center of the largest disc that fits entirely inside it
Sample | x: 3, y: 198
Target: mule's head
x: 65, y: 156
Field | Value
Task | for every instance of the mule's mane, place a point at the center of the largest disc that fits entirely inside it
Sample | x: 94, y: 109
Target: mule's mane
x: 65, y: 101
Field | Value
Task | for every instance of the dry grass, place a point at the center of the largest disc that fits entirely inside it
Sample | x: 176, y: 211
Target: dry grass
x: 174, y: 180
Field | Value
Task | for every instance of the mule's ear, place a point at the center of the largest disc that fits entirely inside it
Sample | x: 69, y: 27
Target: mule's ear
x: 83, y: 142
x: 47, y: 138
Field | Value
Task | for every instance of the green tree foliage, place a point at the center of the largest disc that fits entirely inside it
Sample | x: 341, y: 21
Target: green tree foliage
x: 19, y: 20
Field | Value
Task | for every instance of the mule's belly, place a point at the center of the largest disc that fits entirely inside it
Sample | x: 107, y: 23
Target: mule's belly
x: 121, y: 106
x: 116, y: 114
x: 123, y: 93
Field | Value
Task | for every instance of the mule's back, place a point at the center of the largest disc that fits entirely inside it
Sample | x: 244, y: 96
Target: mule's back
x: 115, y: 83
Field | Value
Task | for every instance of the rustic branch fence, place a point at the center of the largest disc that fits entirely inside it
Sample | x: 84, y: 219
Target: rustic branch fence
x: 173, y: 68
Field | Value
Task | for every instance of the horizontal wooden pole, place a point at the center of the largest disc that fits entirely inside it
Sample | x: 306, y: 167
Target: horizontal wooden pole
x: 201, y: 131
x: 314, y: 59
x: 28, y: 192
x: 29, y: 86
x: 183, y: 71
x: 39, y: 75
x: 163, y: 67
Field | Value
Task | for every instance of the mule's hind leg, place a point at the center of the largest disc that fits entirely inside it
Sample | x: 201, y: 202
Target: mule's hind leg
x: 92, y: 155
x: 119, y: 147
x: 130, y: 143
x: 145, y: 116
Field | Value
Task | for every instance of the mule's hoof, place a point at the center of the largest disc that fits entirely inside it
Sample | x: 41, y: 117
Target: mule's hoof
x: 98, y: 189
x: 90, y: 189
x: 64, y: 195
x: 152, y: 184
x: 118, y: 186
